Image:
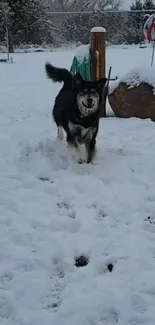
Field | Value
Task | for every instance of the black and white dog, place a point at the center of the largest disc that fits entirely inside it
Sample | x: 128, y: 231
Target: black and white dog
x: 76, y: 110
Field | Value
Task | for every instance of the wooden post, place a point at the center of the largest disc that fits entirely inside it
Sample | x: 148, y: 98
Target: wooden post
x: 98, y: 57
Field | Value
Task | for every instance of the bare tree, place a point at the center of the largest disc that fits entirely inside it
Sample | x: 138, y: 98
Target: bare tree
x: 67, y: 6
x: 84, y: 5
x: 62, y: 5
x: 102, y: 4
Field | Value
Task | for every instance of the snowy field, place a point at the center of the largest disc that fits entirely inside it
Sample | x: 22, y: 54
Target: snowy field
x: 53, y: 210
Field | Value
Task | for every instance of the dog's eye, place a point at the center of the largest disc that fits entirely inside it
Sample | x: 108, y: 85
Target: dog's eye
x: 93, y: 91
x: 85, y: 92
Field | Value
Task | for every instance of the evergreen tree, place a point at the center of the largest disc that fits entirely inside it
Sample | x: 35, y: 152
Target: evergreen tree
x: 2, y: 26
x: 136, y: 23
x: 28, y: 23
x: 148, y: 5
x: 77, y: 27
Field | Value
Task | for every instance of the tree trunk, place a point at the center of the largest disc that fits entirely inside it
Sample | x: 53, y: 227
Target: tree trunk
x: 11, y: 47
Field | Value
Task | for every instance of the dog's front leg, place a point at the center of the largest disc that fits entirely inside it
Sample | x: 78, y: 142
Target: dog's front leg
x: 78, y: 151
x: 81, y: 153
x: 91, y: 150
x: 76, y: 148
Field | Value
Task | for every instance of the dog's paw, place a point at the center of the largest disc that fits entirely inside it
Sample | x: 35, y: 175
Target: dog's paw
x: 60, y: 134
x: 81, y: 161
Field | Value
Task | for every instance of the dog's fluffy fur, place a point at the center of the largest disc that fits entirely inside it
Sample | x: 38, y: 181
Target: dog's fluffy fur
x: 76, y: 110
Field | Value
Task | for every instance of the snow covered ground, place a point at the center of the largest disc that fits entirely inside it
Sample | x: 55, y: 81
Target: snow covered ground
x: 53, y: 210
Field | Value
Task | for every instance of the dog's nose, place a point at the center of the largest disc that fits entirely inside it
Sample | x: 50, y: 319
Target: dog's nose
x: 89, y: 100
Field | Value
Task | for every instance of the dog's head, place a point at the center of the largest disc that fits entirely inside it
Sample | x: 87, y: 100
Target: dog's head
x: 88, y: 94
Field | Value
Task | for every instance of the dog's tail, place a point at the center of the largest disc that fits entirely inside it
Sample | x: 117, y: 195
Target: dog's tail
x: 59, y: 75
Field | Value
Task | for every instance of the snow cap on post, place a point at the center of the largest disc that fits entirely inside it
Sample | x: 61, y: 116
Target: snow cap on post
x: 98, y: 30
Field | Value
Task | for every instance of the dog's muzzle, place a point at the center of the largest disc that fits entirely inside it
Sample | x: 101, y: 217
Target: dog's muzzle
x: 89, y: 101
x: 89, y: 104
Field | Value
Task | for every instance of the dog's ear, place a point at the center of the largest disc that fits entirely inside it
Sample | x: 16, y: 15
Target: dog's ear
x: 77, y: 80
x: 101, y: 82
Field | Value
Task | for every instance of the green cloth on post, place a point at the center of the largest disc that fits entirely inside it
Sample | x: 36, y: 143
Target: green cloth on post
x: 82, y: 67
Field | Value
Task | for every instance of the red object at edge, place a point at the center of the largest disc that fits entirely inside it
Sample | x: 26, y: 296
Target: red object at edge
x: 149, y: 31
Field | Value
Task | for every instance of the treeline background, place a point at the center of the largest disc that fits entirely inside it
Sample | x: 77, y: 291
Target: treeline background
x: 31, y: 22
